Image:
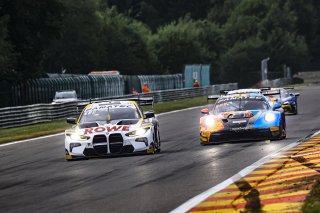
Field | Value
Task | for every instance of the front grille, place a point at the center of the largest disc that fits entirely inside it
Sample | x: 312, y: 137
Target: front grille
x: 89, y: 152
x: 241, y: 135
x: 127, y: 149
x: 115, y: 143
x: 99, y: 139
x: 100, y: 149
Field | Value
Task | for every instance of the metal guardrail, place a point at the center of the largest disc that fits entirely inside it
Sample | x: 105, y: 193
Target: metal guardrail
x: 37, y: 113
x: 30, y: 114
x: 276, y: 82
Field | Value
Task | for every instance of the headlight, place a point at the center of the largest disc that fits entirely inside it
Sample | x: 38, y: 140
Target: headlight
x: 73, y: 145
x: 77, y: 137
x: 138, y: 132
x: 209, y: 121
x: 287, y: 102
x: 269, y: 117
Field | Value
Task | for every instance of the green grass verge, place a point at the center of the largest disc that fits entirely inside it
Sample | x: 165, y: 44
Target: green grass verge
x: 179, y: 104
x: 34, y: 130
x: 312, y: 202
x: 56, y: 126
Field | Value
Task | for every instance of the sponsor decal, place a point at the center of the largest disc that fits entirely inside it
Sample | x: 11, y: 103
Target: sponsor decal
x: 106, y: 129
x: 239, y: 122
x: 238, y: 129
x: 239, y: 97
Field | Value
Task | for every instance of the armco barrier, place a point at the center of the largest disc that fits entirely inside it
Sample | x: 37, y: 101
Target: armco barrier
x: 276, y: 82
x: 30, y: 114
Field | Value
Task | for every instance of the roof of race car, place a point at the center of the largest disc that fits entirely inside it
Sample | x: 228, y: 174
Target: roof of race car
x: 104, y: 104
x: 244, y: 91
x: 242, y: 96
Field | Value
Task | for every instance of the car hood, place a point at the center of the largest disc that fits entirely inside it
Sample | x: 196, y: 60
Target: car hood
x: 126, y: 125
x: 238, y: 114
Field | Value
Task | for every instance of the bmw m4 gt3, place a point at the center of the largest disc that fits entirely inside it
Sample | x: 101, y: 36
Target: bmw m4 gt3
x: 239, y: 117
x: 112, y: 127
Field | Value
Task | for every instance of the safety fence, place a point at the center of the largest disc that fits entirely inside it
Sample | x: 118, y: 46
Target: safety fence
x: 308, y: 77
x: 30, y: 114
x: 162, y: 82
x: 42, y: 90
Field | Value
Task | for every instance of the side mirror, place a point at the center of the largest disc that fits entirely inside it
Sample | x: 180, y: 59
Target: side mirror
x: 205, y: 111
x: 297, y: 94
x: 148, y: 114
x: 276, y: 106
x: 71, y: 120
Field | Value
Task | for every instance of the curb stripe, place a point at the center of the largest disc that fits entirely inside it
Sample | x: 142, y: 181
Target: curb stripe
x: 294, y: 198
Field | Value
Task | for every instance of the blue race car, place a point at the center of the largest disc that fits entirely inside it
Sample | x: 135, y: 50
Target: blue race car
x: 242, y: 117
x: 289, y: 101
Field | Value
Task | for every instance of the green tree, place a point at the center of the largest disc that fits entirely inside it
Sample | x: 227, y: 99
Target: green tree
x: 32, y: 26
x: 156, y: 13
x: 220, y: 10
x: 257, y: 29
x: 241, y: 63
x: 99, y: 38
x: 125, y: 44
x: 186, y: 42
x: 7, y: 56
x: 79, y: 49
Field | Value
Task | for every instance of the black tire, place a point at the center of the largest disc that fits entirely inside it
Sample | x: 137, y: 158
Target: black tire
x: 283, y: 132
x: 296, y: 109
x: 203, y: 144
x: 77, y: 159
x: 158, y: 141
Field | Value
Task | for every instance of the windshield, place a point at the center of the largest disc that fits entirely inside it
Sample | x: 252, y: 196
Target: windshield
x: 119, y: 113
x: 62, y: 95
x: 240, y: 105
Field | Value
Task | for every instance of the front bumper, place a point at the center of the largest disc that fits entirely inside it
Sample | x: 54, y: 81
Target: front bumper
x: 291, y: 108
x: 104, y: 146
x: 240, y: 135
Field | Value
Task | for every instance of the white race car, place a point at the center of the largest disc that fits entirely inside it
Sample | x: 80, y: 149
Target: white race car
x: 112, y: 127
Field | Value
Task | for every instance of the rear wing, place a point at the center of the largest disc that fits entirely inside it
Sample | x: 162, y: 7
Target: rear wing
x: 264, y: 88
x: 271, y: 92
x: 223, y: 92
x: 288, y: 88
x: 145, y: 101
x: 212, y: 97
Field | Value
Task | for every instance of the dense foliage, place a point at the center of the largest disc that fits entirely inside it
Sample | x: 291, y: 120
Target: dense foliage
x: 157, y: 37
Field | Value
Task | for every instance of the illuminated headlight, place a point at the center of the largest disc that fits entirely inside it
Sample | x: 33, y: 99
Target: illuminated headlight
x: 73, y: 145
x: 138, y: 132
x: 77, y: 137
x: 269, y: 117
x: 209, y: 121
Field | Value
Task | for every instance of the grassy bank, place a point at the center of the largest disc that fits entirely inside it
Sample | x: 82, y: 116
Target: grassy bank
x: 312, y: 203
x: 36, y: 130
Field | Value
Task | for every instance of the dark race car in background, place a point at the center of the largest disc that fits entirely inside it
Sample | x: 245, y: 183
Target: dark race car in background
x: 285, y: 97
x: 239, y: 117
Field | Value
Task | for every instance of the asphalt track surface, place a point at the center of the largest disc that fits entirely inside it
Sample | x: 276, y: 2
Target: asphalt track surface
x: 35, y: 177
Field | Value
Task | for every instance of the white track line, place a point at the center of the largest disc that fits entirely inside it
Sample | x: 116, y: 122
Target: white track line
x: 32, y: 139
x: 61, y: 133
x: 199, y: 198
